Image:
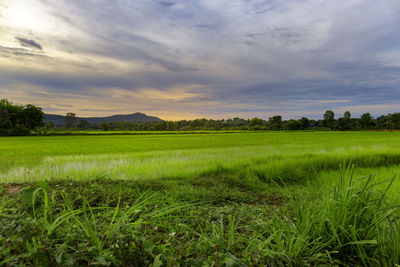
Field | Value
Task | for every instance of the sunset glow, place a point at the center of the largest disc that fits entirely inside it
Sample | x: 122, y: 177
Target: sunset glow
x: 188, y: 59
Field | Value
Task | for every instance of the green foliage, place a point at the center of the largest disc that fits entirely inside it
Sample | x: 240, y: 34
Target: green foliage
x: 83, y: 124
x: 304, y: 123
x: 293, y: 125
x: 275, y: 122
x: 366, y: 121
x: 70, y: 120
x: 19, y: 120
x: 329, y: 118
x: 392, y: 121
x: 89, y: 235
x: 347, y: 115
x: 256, y: 122
x: 345, y: 122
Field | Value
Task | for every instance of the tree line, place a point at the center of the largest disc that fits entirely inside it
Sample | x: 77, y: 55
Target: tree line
x: 29, y: 119
x: 328, y: 122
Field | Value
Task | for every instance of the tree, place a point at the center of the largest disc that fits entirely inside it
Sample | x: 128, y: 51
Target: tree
x: 393, y: 121
x: 256, y: 122
x: 70, y: 120
x: 381, y: 122
x: 366, y: 121
x: 293, y: 125
x: 171, y: 126
x: 275, y: 122
x: 19, y: 120
x: 347, y: 115
x: 345, y: 122
x: 160, y: 126
x: 197, y: 123
x: 304, y: 123
x: 83, y: 124
x: 33, y: 117
x: 105, y: 126
x: 5, y: 119
x: 329, y: 118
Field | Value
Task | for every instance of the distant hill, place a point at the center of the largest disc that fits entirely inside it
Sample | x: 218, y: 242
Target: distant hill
x: 135, y: 117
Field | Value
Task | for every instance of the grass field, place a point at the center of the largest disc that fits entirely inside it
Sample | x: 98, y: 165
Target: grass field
x: 223, y: 199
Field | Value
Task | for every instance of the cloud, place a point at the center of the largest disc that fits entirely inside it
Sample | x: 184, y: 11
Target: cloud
x: 254, y: 58
x: 167, y: 3
x: 28, y: 43
x: 20, y: 54
x: 334, y: 101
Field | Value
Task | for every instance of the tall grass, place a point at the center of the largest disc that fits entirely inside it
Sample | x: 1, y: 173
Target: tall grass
x: 351, y: 225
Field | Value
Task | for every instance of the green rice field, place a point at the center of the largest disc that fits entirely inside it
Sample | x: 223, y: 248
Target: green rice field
x: 201, y: 199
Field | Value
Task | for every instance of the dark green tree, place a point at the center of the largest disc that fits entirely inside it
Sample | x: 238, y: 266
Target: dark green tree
x: 345, y: 122
x: 70, y: 120
x: 366, y: 121
x: 381, y: 122
x: 304, y: 123
x: 256, y: 122
x: 160, y: 126
x: 275, y: 122
x: 171, y: 126
x: 19, y: 120
x: 83, y: 124
x: 5, y: 118
x: 105, y: 126
x: 329, y: 118
x: 347, y: 115
x: 293, y: 125
x: 393, y: 121
x: 33, y: 117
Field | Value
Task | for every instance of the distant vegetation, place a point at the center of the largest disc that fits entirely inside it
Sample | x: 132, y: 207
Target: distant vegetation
x: 329, y: 122
x: 25, y: 120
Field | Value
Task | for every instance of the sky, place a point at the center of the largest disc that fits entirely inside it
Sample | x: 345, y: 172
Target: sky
x: 186, y: 59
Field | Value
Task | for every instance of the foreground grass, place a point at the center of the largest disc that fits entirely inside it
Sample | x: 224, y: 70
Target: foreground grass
x: 129, y: 223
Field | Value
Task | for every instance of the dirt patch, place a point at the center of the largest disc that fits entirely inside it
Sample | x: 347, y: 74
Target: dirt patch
x: 272, y: 199
x: 14, y: 189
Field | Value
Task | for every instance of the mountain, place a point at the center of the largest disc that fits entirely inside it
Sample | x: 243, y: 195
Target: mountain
x: 136, y: 117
